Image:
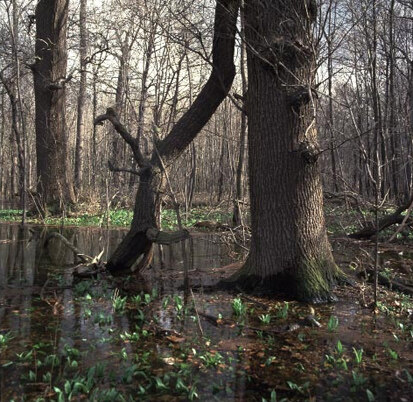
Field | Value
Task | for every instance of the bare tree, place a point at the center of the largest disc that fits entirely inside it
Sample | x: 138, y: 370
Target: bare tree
x: 54, y: 183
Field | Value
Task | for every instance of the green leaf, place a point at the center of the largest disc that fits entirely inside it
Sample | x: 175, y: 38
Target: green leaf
x: 370, y: 395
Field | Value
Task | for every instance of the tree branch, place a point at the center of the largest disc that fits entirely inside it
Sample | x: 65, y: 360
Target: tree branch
x: 214, y: 91
x: 124, y: 133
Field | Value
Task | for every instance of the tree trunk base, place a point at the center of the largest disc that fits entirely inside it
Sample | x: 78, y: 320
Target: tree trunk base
x: 134, y: 253
x: 313, y: 283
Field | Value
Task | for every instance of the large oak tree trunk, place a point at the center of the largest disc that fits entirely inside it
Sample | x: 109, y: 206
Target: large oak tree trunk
x: 290, y: 250
x: 54, y: 182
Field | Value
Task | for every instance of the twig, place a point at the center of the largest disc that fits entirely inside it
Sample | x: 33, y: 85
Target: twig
x: 196, y: 312
x: 403, y: 224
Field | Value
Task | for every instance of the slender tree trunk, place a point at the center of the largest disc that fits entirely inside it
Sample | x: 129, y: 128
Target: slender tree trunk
x: 330, y: 72
x: 80, y: 125
x: 290, y: 250
x: 237, y: 214
x: 94, y: 133
x: 121, y: 91
x: 2, y: 144
x: 144, y: 95
x: 55, y: 186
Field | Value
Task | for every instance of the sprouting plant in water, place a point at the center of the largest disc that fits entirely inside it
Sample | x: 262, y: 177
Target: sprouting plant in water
x: 273, y: 397
x: 238, y: 307
x: 165, y: 302
x: 339, y: 362
x: 358, y: 378
x: 137, y: 299
x: 179, y: 304
x: 47, y: 377
x: 299, y: 388
x: 154, y: 293
x: 283, y: 311
x: 102, y: 319
x: 270, y: 360
x: 358, y: 354
x: 340, y: 347
x: 25, y: 356
x: 370, y: 395
x: 212, y: 359
x: 133, y: 337
x: 118, y: 302
x: 159, y: 383
x: 409, y: 376
x: 332, y: 323
x: 106, y: 395
x: 330, y: 359
x: 51, y: 360
x: 87, y: 312
x: 129, y: 373
x: 147, y: 298
x: 193, y: 393
x: 5, y: 339
x: 393, y: 354
x: 265, y: 318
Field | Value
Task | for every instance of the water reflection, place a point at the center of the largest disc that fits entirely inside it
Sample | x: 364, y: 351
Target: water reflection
x: 55, y: 317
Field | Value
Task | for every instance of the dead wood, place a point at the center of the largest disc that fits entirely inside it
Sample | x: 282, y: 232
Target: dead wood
x: 84, y: 258
x: 160, y: 237
x: 385, y: 222
x: 391, y: 283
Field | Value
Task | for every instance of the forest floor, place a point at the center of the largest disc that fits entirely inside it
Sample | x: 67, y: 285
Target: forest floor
x: 151, y: 338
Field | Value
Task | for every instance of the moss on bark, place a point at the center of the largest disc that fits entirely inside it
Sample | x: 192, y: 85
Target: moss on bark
x: 311, y: 282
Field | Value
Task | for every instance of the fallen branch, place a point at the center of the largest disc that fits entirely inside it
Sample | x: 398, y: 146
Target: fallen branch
x: 384, y: 223
x: 84, y: 258
x: 391, y: 283
x: 159, y: 237
x: 403, y: 224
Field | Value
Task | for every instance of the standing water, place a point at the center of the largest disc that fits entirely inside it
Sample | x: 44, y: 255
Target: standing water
x: 149, y: 337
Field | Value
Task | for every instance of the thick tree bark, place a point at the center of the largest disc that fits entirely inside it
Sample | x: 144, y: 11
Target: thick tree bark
x: 135, y: 251
x: 290, y: 250
x: 55, y: 186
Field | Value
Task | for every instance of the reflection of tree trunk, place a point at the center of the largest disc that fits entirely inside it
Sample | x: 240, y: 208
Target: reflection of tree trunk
x: 49, y: 71
x: 152, y: 179
x: 221, y: 164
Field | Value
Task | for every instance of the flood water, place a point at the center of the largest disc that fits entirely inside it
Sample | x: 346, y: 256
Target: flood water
x: 148, y: 337
x: 47, y: 312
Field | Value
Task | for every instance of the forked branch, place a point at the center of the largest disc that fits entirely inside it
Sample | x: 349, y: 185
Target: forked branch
x: 124, y: 133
